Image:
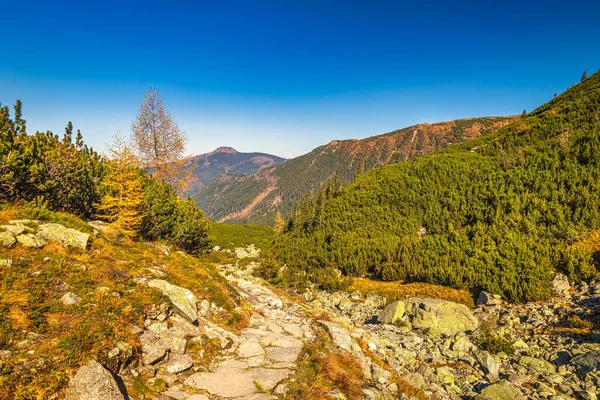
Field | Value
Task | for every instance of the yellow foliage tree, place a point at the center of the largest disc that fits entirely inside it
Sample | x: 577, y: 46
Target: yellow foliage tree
x: 123, y: 203
x: 279, y: 224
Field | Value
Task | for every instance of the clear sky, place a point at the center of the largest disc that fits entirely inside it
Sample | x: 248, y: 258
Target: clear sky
x: 286, y: 76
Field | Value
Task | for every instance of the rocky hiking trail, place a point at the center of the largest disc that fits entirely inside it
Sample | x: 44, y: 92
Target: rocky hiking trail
x: 267, y: 350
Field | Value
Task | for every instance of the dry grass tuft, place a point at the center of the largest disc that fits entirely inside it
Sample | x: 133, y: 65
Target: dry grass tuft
x: 15, y: 298
x: 398, y: 291
x: 19, y: 318
x: 343, y: 370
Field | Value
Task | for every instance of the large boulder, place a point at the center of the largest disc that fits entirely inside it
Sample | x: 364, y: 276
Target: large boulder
x: 440, y: 317
x: 154, y: 347
x: 392, y: 313
x: 502, y: 390
x: 93, y: 382
x: 69, y: 238
x: 537, y: 365
x: 31, y: 240
x: 183, y: 300
x: 488, y: 299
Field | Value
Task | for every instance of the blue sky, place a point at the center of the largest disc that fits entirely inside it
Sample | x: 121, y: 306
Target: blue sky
x: 286, y: 76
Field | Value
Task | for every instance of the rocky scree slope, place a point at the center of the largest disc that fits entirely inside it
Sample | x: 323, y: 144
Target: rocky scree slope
x: 230, y: 197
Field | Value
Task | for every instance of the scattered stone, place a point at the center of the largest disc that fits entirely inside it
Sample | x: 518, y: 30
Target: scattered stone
x: 30, y: 240
x: 435, y: 316
x: 250, y: 349
x: 561, y: 285
x: 183, y: 300
x: 393, y: 313
x: 163, y: 249
x: 178, y: 363
x: 69, y: 238
x: 503, y: 390
x: 93, y: 382
x: 488, y: 299
x: 344, y: 304
x: 489, y: 364
x: 154, y: 348
x: 70, y: 299
x: 7, y: 239
x: 587, y: 363
x: 538, y: 366
x: 248, y: 252
x: 5, y: 262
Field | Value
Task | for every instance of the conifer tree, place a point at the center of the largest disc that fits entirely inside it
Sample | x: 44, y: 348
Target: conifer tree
x: 584, y: 76
x: 123, y: 202
x: 159, y: 143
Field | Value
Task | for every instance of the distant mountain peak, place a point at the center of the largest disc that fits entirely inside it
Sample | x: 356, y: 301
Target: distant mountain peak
x: 225, y: 149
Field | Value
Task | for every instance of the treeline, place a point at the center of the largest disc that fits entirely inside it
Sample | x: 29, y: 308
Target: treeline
x: 500, y: 213
x: 64, y: 174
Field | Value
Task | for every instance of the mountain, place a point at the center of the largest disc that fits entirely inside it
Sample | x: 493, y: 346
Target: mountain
x: 503, y: 212
x: 206, y: 167
x: 256, y: 198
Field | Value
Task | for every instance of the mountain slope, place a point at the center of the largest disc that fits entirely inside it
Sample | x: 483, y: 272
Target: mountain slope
x: 231, y: 198
x: 499, y: 213
x: 223, y: 160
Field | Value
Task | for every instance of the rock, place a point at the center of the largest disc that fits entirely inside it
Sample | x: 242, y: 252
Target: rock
x: 197, y: 397
x: 178, y: 363
x: 587, y: 395
x: 7, y: 239
x: 183, y: 300
x: 70, y: 299
x: 5, y: 262
x: 204, y: 308
x: 586, y: 363
x: 163, y: 249
x: 30, y: 240
x: 231, y: 379
x: 503, y: 390
x: 173, y: 394
x: 561, y: 285
x: 340, y: 336
x: 248, y: 252
x: 344, y: 304
x: 93, y: 382
x: 537, y: 365
x: 154, y: 347
x: 489, y: 364
x: 251, y: 349
x: 393, y: 313
x: 69, y: 238
x: 436, y: 316
x: 488, y: 299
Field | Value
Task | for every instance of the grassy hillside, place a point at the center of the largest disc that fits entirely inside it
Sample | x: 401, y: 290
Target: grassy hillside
x: 230, y: 236
x: 500, y: 212
x: 231, y: 198
x: 43, y: 341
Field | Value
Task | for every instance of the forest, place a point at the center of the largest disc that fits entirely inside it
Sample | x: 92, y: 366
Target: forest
x: 500, y: 213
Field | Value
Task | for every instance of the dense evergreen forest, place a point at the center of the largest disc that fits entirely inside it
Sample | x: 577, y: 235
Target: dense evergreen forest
x: 289, y: 182
x: 48, y: 172
x: 501, y: 212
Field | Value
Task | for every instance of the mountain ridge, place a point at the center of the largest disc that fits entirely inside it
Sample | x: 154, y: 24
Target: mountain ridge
x: 226, y: 197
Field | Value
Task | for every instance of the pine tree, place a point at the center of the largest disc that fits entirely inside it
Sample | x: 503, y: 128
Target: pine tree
x: 584, y: 76
x: 122, y: 204
x: 524, y: 113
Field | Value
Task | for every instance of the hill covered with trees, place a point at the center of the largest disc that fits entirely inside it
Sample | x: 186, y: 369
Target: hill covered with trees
x: 500, y: 213
x: 257, y: 198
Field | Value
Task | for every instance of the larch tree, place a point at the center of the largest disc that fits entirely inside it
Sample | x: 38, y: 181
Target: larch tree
x: 584, y: 76
x: 159, y: 143
x: 279, y: 223
x: 124, y: 199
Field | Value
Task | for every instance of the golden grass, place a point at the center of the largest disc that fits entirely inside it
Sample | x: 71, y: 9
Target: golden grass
x: 19, y: 318
x: 393, y: 291
x: 15, y: 298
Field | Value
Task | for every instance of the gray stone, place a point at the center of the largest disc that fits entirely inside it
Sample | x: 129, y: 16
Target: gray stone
x: 70, y: 299
x: 537, y: 365
x: 231, y: 379
x: 489, y: 363
x: 30, y: 240
x: 503, y: 390
x: 561, y: 285
x: 488, y: 299
x: 7, y: 239
x: 183, y: 300
x: 586, y: 363
x: 69, y: 238
x: 436, y: 316
x: 154, y: 347
x: 204, y: 308
x: 344, y: 303
x: 340, y: 336
x: 93, y: 382
x: 392, y: 313
x: 250, y: 349
x: 197, y: 397
x: 178, y: 363
x: 5, y: 262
